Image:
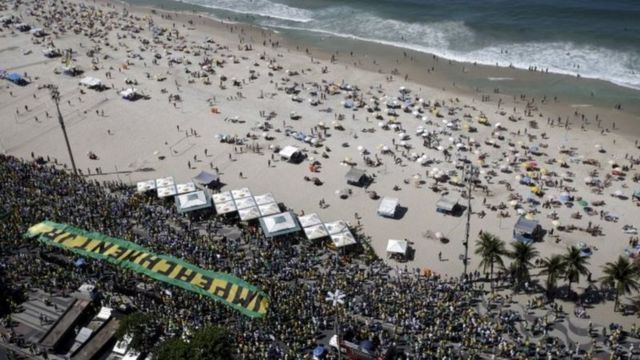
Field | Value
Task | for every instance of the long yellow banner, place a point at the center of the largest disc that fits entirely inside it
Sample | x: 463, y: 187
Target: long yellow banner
x: 222, y: 287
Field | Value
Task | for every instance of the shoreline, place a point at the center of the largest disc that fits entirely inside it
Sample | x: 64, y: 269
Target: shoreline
x: 464, y: 77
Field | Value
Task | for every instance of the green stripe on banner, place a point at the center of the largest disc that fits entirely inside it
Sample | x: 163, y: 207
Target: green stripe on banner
x: 222, y: 287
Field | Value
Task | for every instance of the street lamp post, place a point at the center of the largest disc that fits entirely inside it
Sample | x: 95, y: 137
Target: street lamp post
x: 55, y: 96
x: 336, y: 298
x: 470, y: 173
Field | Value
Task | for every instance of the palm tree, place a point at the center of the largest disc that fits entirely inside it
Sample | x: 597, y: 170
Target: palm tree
x: 574, y: 265
x: 623, y: 276
x: 491, y: 249
x: 553, y: 267
x: 522, y: 254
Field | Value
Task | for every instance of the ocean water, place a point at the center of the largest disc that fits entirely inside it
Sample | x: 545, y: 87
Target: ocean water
x: 596, y: 39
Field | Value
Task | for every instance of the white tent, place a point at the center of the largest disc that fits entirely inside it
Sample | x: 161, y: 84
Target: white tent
x: 167, y: 181
x: 225, y: 207
x: 343, y: 239
x: 397, y: 246
x: 244, y: 203
x: 192, y: 201
x: 129, y: 94
x: 279, y: 224
x: 388, y: 207
x: 289, y: 152
x: 167, y: 191
x: 186, y: 188
x: 249, y: 213
x: 309, y: 220
x: 222, y: 197
x: 336, y: 227
x: 315, y: 231
x: 240, y: 193
x: 146, y: 185
x: 264, y: 199
x: 269, y: 209
x: 91, y: 82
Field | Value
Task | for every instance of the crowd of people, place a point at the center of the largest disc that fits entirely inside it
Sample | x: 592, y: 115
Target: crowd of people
x: 419, y: 316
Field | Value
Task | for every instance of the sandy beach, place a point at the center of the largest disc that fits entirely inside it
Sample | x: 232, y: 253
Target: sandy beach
x: 264, y: 90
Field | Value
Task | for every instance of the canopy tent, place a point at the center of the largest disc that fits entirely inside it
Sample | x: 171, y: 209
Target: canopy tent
x: 167, y: 191
x: 91, y: 82
x: 244, y: 202
x: 225, y: 207
x: 240, y: 193
x: 264, y: 199
x: 343, y: 239
x: 146, y: 185
x: 186, y: 188
x: 269, y: 209
x: 388, y: 207
x: 336, y: 227
x: 205, y: 178
x: 279, y: 224
x: 192, y: 201
x: 222, y: 197
x: 167, y: 181
x: 527, y: 230
x: 309, y: 220
x: 249, y: 213
x: 397, y: 246
x: 356, y: 176
x: 315, y: 231
x: 447, y: 204
x: 289, y: 153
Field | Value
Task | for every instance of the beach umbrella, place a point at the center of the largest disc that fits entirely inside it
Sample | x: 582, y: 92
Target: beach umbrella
x: 555, y: 223
x: 319, y: 351
x: 360, y: 148
x: 611, y: 162
x: 598, y: 146
x: 385, y: 148
x: 438, y: 235
x: 440, y: 148
x: 588, y: 179
x: 403, y: 143
x: 513, y: 202
x: 424, y: 118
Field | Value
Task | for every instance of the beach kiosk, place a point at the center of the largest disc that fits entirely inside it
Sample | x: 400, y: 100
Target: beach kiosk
x: 388, y: 207
x: 447, y: 205
x: 527, y: 231
x: 356, y: 177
